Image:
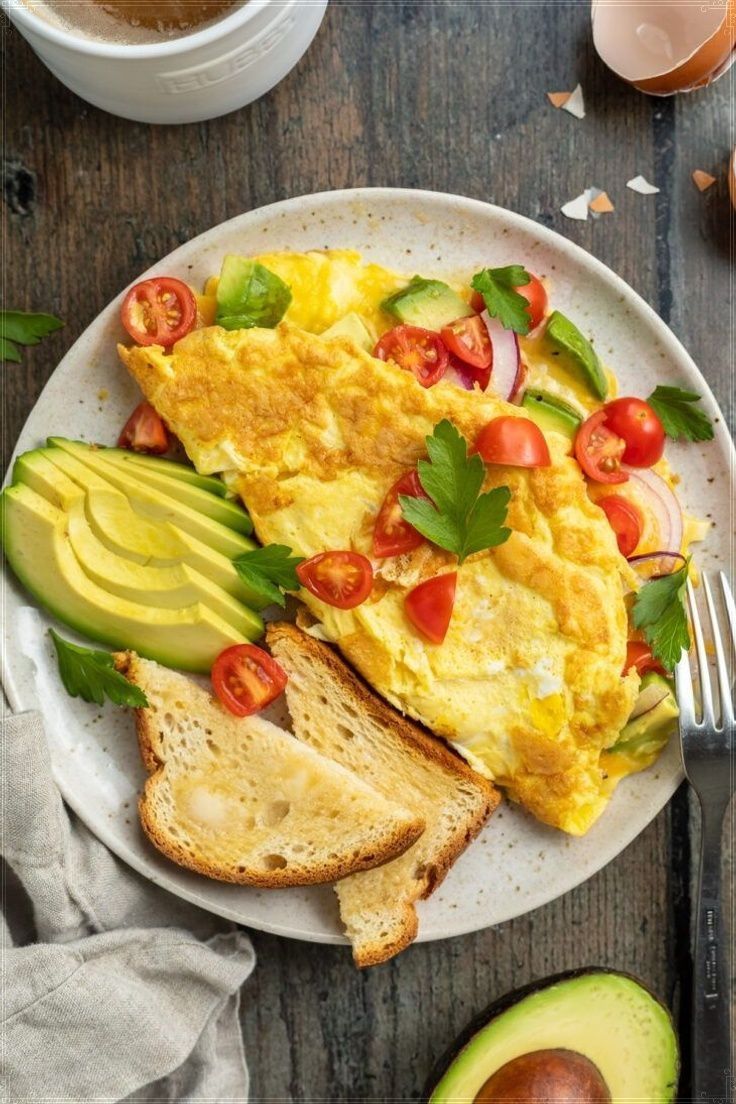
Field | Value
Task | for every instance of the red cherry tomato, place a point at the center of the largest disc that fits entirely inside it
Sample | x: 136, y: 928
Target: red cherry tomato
x: 599, y: 451
x: 159, y: 311
x: 468, y: 339
x: 625, y: 520
x: 392, y: 535
x: 429, y: 606
x: 144, y: 431
x: 246, y: 679
x: 342, y: 579
x: 639, y: 655
x: 533, y: 292
x: 638, y: 426
x: 422, y: 352
x: 515, y: 441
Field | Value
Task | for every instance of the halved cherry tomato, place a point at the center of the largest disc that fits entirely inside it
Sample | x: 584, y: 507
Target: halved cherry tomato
x: 533, y: 292
x: 144, y: 431
x: 392, y: 535
x: 515, y: 441
x: 429, y: 606
x: 159, y: 311
x: 342, y: 579
x: 246, y: 679
x: 599, y: 451
x: 639, y: 655
x: 416, y: 350
x: 639, y: 427
x: 468, y: 339
x: 625, y: 520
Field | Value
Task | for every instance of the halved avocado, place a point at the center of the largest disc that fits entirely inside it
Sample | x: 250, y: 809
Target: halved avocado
x: 431, y: 304
x: 116, y: 525
x: 223, y: 510
x: 550, y: 412
x: 577, y: 1038
x: 38, y: 549
x: 173, y: 468
x: 578, y: 352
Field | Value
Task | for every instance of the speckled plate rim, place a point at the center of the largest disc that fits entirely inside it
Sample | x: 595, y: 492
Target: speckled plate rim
x: 19, y: 678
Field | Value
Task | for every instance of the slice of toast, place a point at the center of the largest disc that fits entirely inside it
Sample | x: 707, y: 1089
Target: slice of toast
x: 336, y: 713
x: 241, y: 800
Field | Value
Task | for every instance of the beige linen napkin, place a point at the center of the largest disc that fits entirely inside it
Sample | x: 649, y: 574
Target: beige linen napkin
x: 125, y: 992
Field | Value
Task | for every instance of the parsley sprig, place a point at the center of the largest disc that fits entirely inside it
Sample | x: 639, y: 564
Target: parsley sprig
x: 497, y: 286
x: 459, y: 518
x: 659, y: 611
x: 91, y: 675
x: 680, y: 418
x: 20, y: 328
x: 269, y: 571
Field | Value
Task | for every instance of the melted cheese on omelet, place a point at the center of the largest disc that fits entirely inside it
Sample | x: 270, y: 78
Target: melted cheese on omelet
x: 528, y: 681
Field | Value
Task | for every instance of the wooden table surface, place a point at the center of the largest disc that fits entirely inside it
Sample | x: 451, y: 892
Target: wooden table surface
x: 448, y: 96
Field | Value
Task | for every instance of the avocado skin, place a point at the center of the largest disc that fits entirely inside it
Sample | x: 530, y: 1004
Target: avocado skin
x: 509, y: 1000
x: 551, y: 412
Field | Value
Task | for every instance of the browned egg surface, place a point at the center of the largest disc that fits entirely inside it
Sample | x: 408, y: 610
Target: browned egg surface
x: 546, y: 1077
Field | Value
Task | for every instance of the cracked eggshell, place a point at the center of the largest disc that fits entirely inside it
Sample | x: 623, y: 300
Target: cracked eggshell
x: 662, y: 47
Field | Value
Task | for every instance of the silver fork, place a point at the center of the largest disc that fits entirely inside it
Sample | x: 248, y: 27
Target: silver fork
x: 708, y: 757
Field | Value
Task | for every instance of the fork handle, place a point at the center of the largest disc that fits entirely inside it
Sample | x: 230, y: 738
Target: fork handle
x: 711, y: 1037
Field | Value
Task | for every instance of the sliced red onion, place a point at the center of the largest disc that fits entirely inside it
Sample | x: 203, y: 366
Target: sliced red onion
x: 664, y: 505
x: 506, y: 374
x: 651, y: 565
x: 457, y: 374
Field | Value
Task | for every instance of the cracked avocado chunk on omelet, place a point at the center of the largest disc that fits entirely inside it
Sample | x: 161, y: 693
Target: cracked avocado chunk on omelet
x: 313, y: 433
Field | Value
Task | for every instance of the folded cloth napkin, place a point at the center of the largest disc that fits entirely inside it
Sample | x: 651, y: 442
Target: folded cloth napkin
x: 126, y: 992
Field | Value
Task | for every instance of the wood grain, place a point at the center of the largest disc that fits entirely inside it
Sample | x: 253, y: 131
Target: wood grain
x: 448, y: 96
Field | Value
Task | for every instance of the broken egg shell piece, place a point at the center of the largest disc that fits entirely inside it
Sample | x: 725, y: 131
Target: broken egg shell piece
x: 574, y: 103
x: 642, y: 186
x: 577, y: 208
x: 558, y: 99
x: 601, y: 205
x: 702, y: 179
x: 662, y: 47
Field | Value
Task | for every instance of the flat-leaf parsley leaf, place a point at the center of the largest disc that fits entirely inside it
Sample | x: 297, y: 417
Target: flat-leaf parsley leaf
x: 497, y: 286
x: 659, y: 611
x: 23, y: 328
x: 269, y: 571
x: 459, y: 518
x: 91, y: 675
x: 680, y: 419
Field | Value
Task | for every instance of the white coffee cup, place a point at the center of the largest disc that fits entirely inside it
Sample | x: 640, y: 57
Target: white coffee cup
x: 181, y: 80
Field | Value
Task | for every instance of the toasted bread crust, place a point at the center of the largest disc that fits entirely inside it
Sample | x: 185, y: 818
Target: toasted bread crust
x: 325, y: 872
x: 419, y: 745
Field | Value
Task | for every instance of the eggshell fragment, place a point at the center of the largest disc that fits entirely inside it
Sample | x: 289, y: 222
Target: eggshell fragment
x: 702, y: 179
x: 557, y: 99
x: 574, y: 103
x: 577, y: 208
x: 601, y: 205
x: 663, y: 47
x: 642, y: 186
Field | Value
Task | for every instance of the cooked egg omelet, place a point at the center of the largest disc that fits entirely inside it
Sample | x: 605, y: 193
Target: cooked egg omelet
x: 527, y: 684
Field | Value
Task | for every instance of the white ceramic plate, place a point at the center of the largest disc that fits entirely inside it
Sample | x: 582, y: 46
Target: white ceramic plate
x: 516, y: 864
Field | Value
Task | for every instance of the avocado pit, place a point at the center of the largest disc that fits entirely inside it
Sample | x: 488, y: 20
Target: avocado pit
x: 546, y: 1077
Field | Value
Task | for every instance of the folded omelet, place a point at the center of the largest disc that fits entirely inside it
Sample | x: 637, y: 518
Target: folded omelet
x: 313, y: 432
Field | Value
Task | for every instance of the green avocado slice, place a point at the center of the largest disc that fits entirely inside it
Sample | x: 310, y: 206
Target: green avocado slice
x: 551, y: 413
x: 117, y: 526
x: 148, y: 501
x: 223, y: 510
x: 352, y: 326
x: 652, y: 721
x: 38, y: 549
x: 172, y: 468
x: 430, y: 304
x: 578, y: 352
x: 609, y: 1018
